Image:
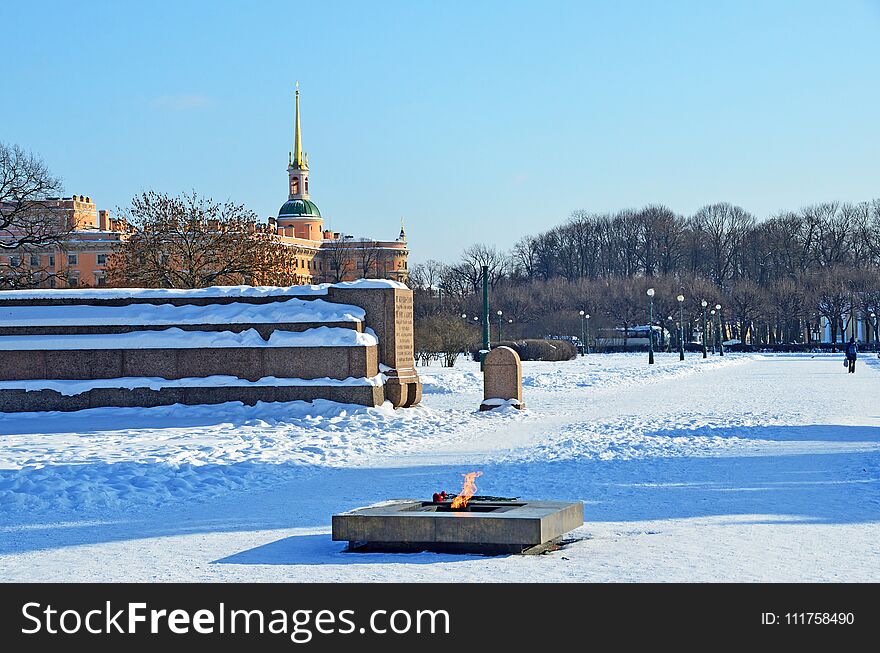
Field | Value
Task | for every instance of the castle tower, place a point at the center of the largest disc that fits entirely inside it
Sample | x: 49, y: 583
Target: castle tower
x: 299, y: 216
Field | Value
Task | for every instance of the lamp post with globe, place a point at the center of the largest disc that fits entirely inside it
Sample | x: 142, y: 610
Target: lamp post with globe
x: 651, y: 326
x: 712, y: 320
x: 720, y: 331
x: 583, y: 333
x: 704, y: 304
x: 680, y: 299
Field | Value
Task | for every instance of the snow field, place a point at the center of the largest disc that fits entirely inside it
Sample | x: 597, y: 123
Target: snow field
x: 746, y: 468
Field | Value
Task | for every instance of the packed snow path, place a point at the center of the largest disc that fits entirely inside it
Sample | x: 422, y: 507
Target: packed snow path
x: 735, y: 469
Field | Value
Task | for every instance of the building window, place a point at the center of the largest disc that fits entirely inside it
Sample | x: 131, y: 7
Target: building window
x: 71, y: 259
x: 35, y: 261
x: 102, y: 259
x: 307, y: 185
x: 294, y: 186
x: 72, y: 282
x: 101, y: 281
x: 51, y: 260
x: 14, y: 261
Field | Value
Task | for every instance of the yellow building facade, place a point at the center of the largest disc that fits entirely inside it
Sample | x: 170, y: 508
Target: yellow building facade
x: 315, y: 254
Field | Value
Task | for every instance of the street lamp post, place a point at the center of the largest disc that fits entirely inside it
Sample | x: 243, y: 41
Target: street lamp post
x: 704, y: 304
x: 583, y: 334
x: 720, y: 331
x: 668, y: 343
x: 486, y: 345
x: 874, y: 329
x: 680, y: 299
x: 712, y: 320
x: 499, y: 325
x: 587, y: 341
x: 651, y: 327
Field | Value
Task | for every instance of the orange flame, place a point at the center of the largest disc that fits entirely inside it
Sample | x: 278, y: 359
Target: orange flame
x: 467, y: 491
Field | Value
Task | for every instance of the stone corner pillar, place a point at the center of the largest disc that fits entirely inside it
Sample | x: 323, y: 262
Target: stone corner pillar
x: 389, y: 313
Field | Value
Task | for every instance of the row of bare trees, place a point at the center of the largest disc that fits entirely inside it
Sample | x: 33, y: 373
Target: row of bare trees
x: 776, y: 279
x: 720, y: 242
x: 790, y: 310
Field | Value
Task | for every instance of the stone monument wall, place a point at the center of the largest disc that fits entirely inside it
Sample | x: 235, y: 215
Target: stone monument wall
x: 64, y: 374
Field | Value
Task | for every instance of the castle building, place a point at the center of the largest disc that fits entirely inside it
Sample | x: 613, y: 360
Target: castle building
x: 315, y: 254
x: 321, y: 255
x: 82, y: 259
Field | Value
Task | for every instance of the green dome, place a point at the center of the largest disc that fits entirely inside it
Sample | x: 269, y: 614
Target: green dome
x: 299, y: 209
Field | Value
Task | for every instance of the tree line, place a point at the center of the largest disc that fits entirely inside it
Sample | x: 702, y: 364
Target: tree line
x: 776, y: 279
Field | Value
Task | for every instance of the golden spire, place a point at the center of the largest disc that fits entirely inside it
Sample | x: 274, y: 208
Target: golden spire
x: 298, y: 160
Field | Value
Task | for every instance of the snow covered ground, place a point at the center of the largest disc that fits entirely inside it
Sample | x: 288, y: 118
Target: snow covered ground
x: 746, y: 468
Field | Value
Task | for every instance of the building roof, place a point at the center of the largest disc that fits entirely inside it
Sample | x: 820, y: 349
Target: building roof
x: 299, y: 209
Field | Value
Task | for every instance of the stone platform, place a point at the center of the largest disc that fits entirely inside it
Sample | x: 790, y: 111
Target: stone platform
x: 485, y: 527
x: 349, y: 342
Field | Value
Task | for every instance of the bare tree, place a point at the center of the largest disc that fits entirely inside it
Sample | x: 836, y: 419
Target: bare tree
x: 832, y: 244
x: 720, y: 229
x: 367, y: 255
x: 28, y: 220
x: 524, y: 259
x: 193, y: 242
x: 745, y: 304
x: 446, y: 335
x: 427, y: 275
x: 470, y: 268
x: 337, y: 257
x: 834, y: 295
x: 623, y: 302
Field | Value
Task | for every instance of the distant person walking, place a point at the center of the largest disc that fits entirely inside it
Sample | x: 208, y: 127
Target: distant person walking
x: 852, y: 352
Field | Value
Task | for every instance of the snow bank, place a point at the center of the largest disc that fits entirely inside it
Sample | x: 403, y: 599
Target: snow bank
x: 195, y: 293
x: 115, y: 458
x: 370, y: 283
x: 175, y: 338
x: 165, y: 293
x: 292, y: 310
x: 75, y: 387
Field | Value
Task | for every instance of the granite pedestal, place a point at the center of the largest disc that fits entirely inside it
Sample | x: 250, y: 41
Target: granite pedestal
x: 486, y: 527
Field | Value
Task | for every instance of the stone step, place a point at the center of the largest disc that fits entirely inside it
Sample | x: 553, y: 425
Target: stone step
x: 16, y: 401
x: 250, y: 363
x: 264, y: 329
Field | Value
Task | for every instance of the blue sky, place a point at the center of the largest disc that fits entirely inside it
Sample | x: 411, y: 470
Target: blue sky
x: 476, y: 121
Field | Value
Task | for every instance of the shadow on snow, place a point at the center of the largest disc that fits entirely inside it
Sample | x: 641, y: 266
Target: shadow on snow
x: 833, y: 487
